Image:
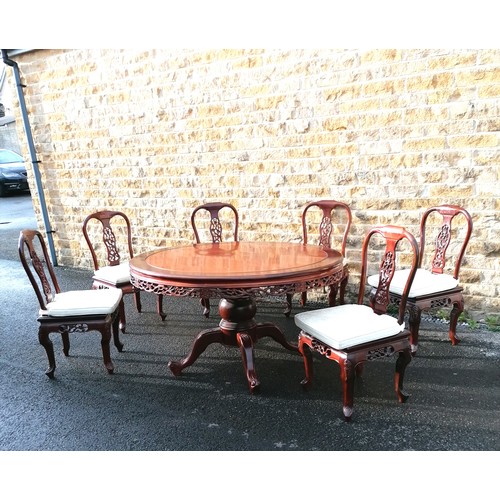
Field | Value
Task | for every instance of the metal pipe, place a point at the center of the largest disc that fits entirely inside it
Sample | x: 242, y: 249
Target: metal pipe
x: 34, y: 159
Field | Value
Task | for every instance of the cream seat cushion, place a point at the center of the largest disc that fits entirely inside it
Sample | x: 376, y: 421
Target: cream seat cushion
x: 83, y: 303
x: 116, y: 275
x: 424, y: 282
x: 347, y: 325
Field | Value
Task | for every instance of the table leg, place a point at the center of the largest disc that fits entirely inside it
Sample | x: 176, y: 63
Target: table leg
x: 236, y: 328
x: 246, y: 347
x: 271, y: 330
x: 201, y: 342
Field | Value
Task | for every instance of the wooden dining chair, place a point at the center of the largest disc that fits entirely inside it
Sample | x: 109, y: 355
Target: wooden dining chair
x: 76, y: 311
x: 352, y: 334
x: 115, y: 227
x: 433, y: 287
x: 208, y: 216
x: 325, y: 219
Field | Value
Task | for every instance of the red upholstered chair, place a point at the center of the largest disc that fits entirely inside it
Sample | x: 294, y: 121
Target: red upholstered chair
x: 352, y: 334
x: 324, y: 219
x: 113, y: 227
x: 209, y: 216
x: 77, y: 311
x: 435, y: 284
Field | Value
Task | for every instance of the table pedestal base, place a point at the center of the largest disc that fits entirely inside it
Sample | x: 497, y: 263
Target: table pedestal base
x: 236, y: 328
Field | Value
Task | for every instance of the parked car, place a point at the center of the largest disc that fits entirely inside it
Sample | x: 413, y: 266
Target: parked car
x: 13, y: 176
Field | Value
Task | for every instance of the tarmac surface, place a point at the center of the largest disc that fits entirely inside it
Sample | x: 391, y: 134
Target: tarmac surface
x: 454, y: 402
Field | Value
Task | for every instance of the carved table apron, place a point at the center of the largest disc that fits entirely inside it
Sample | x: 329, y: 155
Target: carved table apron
x: 237, y: 273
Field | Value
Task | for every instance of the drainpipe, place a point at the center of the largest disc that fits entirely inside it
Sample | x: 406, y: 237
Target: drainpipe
x: 34, y: 160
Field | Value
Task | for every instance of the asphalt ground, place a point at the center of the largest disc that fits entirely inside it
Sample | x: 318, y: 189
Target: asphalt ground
x: 453, y: 405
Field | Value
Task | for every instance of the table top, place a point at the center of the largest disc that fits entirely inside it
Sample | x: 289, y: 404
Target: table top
x: 241, y: 264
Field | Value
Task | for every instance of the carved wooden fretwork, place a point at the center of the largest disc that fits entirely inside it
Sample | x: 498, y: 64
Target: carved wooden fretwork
x: 109, y: 239
x: 431, y: 304
x: 442, y: 242
x: 325, y: 350
x: 216, y: 230
x: 395, y: 300
x: 318, y: 346
x: 381, y: 352
x: 325, y: 232
x: 385, y: 275
x: 77, y: 328
x: 443, y: 302
x: 38, y: 266
x: 227, y: 292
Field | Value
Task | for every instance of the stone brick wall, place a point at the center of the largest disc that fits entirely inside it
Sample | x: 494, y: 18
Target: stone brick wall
x: 157, y: 132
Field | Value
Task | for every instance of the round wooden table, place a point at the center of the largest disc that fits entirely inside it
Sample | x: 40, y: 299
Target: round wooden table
x: 237, y: 273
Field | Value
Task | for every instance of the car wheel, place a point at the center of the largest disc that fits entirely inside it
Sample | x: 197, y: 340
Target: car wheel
x: 3, y: 191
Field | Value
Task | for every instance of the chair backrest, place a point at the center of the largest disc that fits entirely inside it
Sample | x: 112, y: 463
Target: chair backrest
x: 108, y: 220
x: 379, y: 298
x: 215, y: 227
x: 39, y: 270
x: 444, y: 236
x: 326, y: 224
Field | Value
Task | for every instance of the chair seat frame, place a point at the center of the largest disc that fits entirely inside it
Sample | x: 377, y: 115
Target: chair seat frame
x: 106, y: 325
x: 416, y: 305
x: 351, y: 362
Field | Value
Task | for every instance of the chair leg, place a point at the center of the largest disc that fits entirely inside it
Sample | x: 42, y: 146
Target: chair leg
x: 402, y: 362
x: 303, y: 299
x: 206, y: 307
x: 332, y: 295
x: 65, y: 341
x: 137, y: 300
x: 121, y: 313
x: 116, y: 333
x: 347, y: 379
x: 415, y: 314
x: 43, y: 338
x: 159, y: 307
x: 308, y: 362
x: 288, y: 308
x: 457, y: 310
x: 106, y: 355
x: 343, y: 286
